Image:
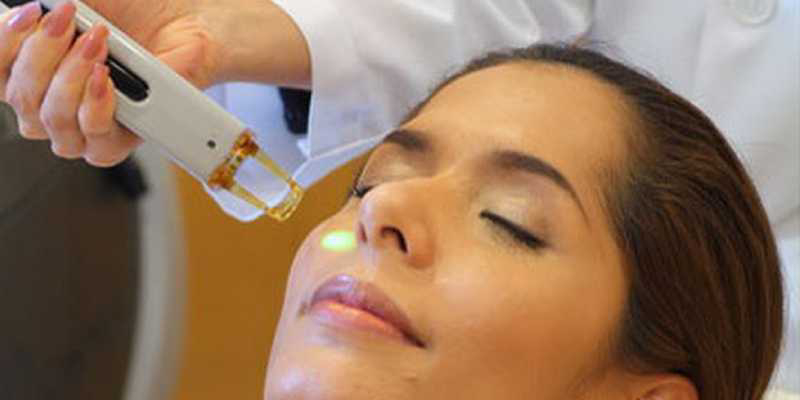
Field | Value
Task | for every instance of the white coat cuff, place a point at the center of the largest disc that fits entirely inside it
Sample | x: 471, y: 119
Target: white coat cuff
x: 338, y: 106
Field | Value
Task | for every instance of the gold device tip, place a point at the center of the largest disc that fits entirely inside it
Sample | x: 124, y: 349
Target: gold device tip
x: 239, y: 191
x: 280, y: 212
x: 272, y: 166
x: 286, y: 208
x: 223, y: 178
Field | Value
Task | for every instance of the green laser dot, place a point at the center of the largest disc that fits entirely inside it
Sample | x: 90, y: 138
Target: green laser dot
x: 339, y: 241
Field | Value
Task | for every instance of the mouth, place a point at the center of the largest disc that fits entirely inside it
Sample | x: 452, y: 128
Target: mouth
x: 347, y: 302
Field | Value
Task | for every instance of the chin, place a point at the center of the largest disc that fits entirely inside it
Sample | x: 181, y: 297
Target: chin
x: 312, y: 377
x: 336, y: 368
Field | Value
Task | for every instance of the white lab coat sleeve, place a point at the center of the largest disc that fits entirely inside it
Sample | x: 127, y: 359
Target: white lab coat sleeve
x: 372, y: 61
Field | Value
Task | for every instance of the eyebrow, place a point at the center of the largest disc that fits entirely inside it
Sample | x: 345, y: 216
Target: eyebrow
x: 514, y: 160
x: 509, y: 160
x: 411, y: 140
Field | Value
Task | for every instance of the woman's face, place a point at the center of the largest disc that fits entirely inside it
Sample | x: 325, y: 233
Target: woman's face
x: 484, y: 266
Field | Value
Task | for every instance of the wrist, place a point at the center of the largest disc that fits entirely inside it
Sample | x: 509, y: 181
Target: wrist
x: 254, y: 40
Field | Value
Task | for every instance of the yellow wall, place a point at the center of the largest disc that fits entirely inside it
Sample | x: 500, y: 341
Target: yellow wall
x: 236, y: 278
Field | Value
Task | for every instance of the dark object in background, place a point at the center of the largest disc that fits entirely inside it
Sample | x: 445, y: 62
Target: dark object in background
x: 128, y: 177
x: 69, y: 273
x: 296, y: 104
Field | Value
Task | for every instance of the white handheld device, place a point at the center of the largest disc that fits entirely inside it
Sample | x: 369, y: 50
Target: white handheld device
x: 160, y: 106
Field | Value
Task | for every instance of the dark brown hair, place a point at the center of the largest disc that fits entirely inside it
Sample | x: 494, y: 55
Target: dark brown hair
x: 705, y: 291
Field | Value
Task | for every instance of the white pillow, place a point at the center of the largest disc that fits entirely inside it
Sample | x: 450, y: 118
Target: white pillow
x: 781, y: 395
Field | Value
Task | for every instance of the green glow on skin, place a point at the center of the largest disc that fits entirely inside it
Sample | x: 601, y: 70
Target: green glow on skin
x: 339, y: 241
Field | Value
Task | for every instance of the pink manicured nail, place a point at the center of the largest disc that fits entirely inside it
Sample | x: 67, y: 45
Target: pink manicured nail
x: 98, y: 86
x: 56, y: 22
x: 25, y: 17
x: 94, y: 43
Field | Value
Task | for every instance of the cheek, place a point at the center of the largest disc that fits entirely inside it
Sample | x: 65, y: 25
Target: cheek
x: 487, y: 307
x: 340, y: 241
x: 537, y: 320
x: 326, y: 246
x: 304, y: 258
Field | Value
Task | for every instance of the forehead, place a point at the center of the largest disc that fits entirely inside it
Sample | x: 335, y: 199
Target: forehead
x: 564, y: 115
x: 532, y: 106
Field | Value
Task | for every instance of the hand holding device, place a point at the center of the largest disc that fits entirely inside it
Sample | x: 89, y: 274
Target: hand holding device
x: 151, y: 99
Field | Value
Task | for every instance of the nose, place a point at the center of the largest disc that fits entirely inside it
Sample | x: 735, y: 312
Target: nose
x: 394, y: 225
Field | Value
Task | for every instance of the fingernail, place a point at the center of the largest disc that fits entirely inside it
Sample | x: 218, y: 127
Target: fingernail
x: 95, y: 42
x: 25, y: 17
x: 98, y: 86
x: 57, y: 22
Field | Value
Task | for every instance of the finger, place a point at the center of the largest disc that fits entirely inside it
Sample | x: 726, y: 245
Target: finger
x: 107, y: 143
x: 15, y: 26
x: 59, y: 113
x: 112, y: 149
x: 35, y: 65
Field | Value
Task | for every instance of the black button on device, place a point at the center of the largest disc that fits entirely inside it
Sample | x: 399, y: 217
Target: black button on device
x: 126, y: 81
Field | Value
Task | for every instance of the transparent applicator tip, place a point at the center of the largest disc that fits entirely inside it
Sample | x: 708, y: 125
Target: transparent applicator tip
x: 224, y: 178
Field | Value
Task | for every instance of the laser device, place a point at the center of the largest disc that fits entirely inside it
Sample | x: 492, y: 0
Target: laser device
x: 157, y: 104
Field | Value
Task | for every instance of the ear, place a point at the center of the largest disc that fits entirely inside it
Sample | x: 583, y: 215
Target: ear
x: 666, y: 387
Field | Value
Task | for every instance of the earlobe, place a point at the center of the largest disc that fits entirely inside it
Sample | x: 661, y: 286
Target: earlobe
x: 667, y: 387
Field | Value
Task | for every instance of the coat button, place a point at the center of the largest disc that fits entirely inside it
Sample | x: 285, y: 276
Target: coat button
x: 753, y: 12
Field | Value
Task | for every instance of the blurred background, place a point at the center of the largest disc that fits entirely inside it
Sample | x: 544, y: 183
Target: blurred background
x: 235, y: 287
x: 131, y: 283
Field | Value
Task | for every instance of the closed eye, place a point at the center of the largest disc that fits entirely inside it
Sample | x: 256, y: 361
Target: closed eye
x: 518, y: 233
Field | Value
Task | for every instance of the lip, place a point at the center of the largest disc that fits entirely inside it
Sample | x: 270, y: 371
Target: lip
x: 345, y: 301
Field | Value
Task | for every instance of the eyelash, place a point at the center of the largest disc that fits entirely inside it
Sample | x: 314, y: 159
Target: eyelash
x: 519, y: 234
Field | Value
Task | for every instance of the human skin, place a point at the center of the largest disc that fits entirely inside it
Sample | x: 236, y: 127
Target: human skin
x: 64, y: 96
x: 498, y: 320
